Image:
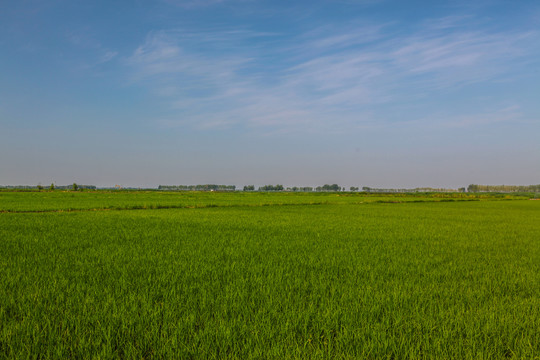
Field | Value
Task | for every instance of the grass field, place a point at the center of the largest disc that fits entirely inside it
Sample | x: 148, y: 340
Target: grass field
x: 34, y: 201
x: 236, y: 275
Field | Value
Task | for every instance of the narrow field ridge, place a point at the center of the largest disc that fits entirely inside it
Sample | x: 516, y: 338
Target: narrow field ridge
x: 205, y: 206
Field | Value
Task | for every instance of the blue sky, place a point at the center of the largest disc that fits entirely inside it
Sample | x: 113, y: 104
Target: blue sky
x: 355, y: 92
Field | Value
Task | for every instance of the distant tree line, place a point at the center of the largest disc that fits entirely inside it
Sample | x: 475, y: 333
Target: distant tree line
x: 326, y: 187
x: 301, y: 189
x: 421, y: 189
x: 271, y: 188
x: 503, y: 188
x: 18, y: 187
x: 40, y: 187
x: 205, y: 187
x: 74, y: 186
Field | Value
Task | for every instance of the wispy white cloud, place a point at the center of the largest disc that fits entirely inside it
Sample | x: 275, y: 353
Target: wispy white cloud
x: 459, y: 58
x: 108, y: 56
x: 320, y: 78
x: 85, y: 42
x: 447, y: 22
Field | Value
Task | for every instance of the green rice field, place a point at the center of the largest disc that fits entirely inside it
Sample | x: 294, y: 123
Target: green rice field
x: 189, y: 275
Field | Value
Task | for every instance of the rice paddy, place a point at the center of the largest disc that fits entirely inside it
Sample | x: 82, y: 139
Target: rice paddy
x: 106, y: 275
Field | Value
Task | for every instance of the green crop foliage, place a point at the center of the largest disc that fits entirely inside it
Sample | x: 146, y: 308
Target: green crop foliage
x: 307, y: 276
x: 33, y: 201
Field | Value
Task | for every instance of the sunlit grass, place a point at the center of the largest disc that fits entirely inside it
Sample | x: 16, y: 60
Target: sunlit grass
x: 34, y: 201
x: 336, y: 280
